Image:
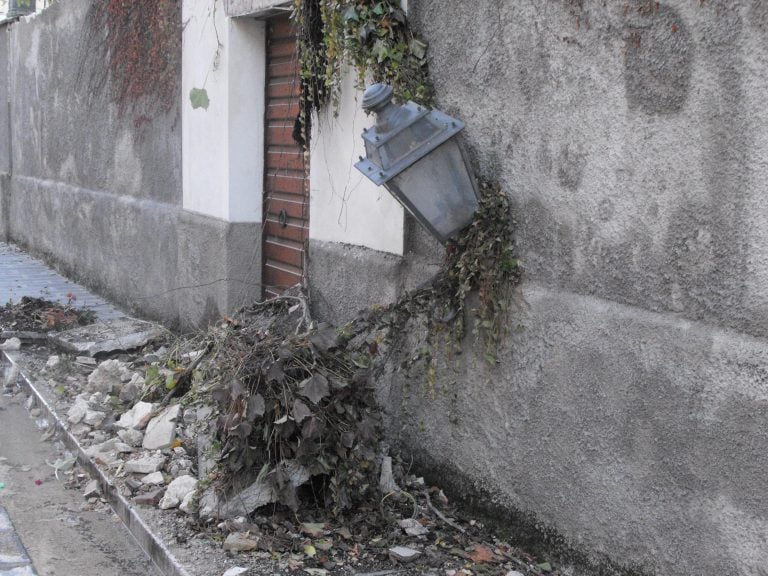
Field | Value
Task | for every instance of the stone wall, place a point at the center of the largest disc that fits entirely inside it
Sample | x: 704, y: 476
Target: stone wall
x: 97, y: 191
x: 627, y: 421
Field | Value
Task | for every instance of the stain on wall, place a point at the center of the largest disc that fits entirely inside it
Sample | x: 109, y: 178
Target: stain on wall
x: 658, y: 58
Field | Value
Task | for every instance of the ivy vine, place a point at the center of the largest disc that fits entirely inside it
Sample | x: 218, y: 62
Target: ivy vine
x: 131, y: 52
x: 371, y: 35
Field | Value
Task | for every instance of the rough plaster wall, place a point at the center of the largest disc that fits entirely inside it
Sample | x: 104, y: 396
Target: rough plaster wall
x: 5, y: 151
x: 633, y: 144
x: 627, y: 420
x: 100, y: 196
x: 63, y: 133
x: 640, y: 437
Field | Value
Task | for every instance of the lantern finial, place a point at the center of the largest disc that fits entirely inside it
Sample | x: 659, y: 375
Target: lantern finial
x: 376, y: 96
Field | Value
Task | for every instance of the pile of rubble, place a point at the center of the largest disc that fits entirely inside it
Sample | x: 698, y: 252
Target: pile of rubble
x: 156, y: 421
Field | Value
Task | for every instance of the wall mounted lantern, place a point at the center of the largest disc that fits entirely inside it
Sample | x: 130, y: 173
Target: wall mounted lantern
x: 20, y: 8
x: 415, y: 154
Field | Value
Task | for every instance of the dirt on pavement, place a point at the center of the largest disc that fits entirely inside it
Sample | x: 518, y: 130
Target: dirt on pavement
x: 64, y: 533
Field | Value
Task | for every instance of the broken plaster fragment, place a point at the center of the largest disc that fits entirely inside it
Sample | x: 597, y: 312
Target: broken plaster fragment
x: 403, y: 554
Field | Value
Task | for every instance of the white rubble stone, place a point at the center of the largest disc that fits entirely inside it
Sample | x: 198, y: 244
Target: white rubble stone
x: 11, y: 344
x: 94, y: 418
x: 80, y: 430
x: 177, y: 491
x: 252, y: 497
x: 235, y: 571
x: 154, y: 479
x: 131, y: 437
x: 403, y: 553
x: 145, y: 464
x: 78, y: 410
x: 106, y: 377
x: 133, y: 417
x: 106, y: 446
x: 53, y: 361
x: 130, y: 390
x: 161, y: 430
x: 413, y: 527
x: 125, y: 374
x: 188, y: 504
x: 92, y: 489
x: 123, y: 448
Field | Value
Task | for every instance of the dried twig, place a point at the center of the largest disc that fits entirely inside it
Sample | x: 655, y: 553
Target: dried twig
x: 442, y: 516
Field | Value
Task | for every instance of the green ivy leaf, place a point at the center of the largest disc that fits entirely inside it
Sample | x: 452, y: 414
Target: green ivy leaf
x: 199, y: 98
x: 418, y: 48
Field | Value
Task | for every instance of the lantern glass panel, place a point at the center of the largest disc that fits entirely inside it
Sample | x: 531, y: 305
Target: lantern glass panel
x: 438, y: 190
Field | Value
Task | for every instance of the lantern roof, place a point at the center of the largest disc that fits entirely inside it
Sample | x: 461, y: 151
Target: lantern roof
x: 402, y: 136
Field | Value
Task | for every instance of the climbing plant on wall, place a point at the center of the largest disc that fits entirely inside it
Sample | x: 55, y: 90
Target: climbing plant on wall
x: 371, y: 35
x: 375, y: 38
x: 131, y: 51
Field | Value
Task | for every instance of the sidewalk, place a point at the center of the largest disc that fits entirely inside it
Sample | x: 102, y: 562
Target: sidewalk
x: 22, y: 275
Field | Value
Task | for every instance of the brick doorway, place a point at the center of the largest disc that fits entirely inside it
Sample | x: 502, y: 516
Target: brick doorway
x: 286, y: 170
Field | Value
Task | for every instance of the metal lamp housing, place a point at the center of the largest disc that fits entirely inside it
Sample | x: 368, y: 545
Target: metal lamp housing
x: 415, y: 154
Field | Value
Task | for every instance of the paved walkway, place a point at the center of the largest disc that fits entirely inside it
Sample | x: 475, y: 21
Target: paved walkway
x: 14, y: 560
x: 22, y: 275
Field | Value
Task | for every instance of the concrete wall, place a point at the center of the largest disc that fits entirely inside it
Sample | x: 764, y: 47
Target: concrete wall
x: 345, y: 206
x: 627, y: 420
x: 100, y: 194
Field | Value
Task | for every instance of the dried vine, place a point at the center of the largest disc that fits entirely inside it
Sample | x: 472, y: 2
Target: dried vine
x: 371, y: 35
x: 130, y: 51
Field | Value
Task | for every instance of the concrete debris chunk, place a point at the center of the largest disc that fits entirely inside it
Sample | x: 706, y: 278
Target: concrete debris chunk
x: 86, y: 361
x: 108, y: 336
x: 161, y: 430
x: 94, y: 418
x: 106, y: 377
x: 134, y: 417
x: 130, y: 391
x: 258, y: 494
x: 78, y: 410
x: 189, y: 503
x: 413, y: 527
x: 240, y: 542
x: 91, y: 489
x: 150, y: 498
x: 131, y: 437
x: 156, y: 479
x: 102, y: 448
x: 177, y: 491
x: 53, y: 361
x: 403, y: 554
x: 145, y: 464
x: 387, y: 482
x: 11, y: 344
x: 235, y: 571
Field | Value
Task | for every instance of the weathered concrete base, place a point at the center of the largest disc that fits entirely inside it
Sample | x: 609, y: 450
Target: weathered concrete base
x: 219, y: 266
x: 151, y: 257
x: 640, y: 438
x: 345, y: 279
x: 5, y: 201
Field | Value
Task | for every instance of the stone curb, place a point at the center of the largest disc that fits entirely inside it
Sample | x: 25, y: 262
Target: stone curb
x: 151, y: 544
